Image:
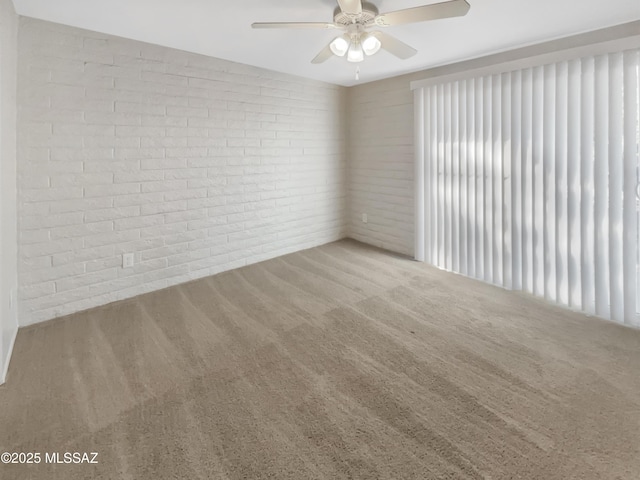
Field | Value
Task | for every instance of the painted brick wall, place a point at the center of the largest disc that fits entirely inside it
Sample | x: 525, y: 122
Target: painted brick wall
x: 8, y: 220
x: 196, y: 165
x: 381, y: 163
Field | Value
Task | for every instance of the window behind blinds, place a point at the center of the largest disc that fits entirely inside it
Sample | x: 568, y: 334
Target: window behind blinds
x: 530, y: 181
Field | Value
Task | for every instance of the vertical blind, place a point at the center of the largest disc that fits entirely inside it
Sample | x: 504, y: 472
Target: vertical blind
x: 529, y: 180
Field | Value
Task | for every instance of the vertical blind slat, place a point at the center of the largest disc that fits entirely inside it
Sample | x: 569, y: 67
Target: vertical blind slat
x: 517, y: 182
x: 507, y: 200
x: 631, y: 164
x: 433, y: 174
x: 446, y: 174
x: 455, y: 181
x: 538, y: 183
x: 601, y: 187
x: 440, y: 191
x: 471, y: 166
x: 548, y: 147
x: 527, y: 181
x: 464, y: 185
x: 488, y: 180
x: 480, y: 227
x: 573, y: 182
x: 587, y: 192
x: 561, y: 191
x: 497, y: 178
x: 616, y: 85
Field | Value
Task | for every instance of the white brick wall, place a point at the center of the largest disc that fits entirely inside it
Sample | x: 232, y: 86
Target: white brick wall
x: 381, y: 163
x: 196, y: 165
x: 8, y: 220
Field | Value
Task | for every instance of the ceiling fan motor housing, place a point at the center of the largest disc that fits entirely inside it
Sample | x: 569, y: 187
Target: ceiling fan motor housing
x: 367, y: 17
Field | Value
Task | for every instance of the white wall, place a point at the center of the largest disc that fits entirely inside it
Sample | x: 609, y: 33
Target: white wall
x: 8, y: 234
x: 381, y: 163
x: 196, y: 165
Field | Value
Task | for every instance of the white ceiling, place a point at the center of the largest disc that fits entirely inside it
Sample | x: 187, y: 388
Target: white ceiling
x: 222, y: 29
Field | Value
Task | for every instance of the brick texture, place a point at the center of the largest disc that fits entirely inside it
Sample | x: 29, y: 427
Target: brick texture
x: 8, y: 220
x: 381, y: 164
x: 196, y: 165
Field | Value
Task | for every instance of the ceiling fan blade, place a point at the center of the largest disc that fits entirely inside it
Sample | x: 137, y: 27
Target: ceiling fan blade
x: 293, y: 25
x: 395, y: 46
x: 452, y: 8
x: 324, y: 55
x: 350, y: 7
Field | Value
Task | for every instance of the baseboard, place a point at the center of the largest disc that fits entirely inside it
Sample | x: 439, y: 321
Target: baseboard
x: 7, y: 359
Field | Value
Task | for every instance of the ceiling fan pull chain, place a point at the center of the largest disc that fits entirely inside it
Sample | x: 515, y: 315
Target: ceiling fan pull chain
x: 357, y: 73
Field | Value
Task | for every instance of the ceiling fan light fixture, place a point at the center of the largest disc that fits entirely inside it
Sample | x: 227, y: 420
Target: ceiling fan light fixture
x: 356, y: 17
x: 371, y: 44
x: 355, y: 53
x: 339, y: 46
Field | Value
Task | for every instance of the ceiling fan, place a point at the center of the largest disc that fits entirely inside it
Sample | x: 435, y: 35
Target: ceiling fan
x: 356, y: 19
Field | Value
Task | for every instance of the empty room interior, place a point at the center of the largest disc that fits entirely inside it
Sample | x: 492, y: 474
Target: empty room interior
x: 331, y: 239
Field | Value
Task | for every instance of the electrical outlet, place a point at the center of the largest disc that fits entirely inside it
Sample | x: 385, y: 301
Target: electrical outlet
x: 364, y: 218
x: 128, y: 259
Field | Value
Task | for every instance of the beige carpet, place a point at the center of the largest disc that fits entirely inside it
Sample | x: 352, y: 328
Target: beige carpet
x: 339, y: 362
